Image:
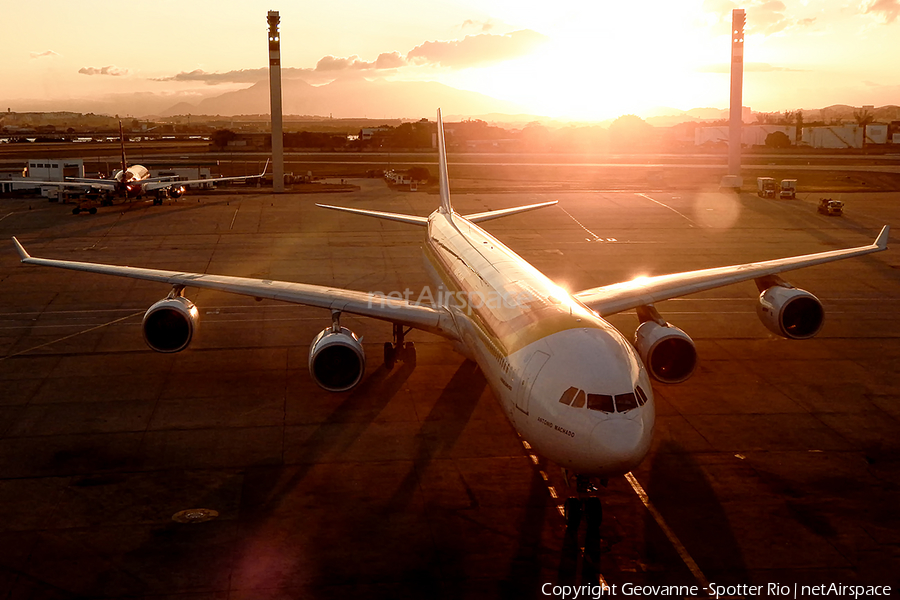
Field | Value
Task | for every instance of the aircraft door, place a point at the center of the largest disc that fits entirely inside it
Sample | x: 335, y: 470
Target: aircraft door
x: 532, y: 369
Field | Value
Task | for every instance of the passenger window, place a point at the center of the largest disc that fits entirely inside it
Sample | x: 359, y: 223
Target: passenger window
x: 579, y: 400
x: 626, y: 402
x: 602, y: 402
x: 568, y: 395
x: 641, y: 396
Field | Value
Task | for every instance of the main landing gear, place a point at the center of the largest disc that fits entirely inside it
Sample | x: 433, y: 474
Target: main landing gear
x: 399, y: 350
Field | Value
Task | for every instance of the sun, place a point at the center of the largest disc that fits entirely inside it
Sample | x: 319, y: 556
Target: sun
x: 594, y: 77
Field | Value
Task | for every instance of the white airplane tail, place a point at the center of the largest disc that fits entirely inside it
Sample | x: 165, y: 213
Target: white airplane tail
x: 444, y: 188
x: 443, y: 177
x: 124, y: 162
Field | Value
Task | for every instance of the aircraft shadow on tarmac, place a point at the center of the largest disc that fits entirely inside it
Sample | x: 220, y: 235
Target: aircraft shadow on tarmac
x: 682, y: 493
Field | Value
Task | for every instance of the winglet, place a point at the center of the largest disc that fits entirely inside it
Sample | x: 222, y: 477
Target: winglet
x: 442, y: 166
x: 882, y: 239
x: 23, y: 255
x: 265, y: 168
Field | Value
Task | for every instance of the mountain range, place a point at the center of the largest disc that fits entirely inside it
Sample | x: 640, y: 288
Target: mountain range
x: 355, y: 97
x: 358, y: 97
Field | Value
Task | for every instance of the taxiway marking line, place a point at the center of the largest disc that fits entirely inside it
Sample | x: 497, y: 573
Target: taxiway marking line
x: 69, y: 336
x: 673, y: 539
x: 668, y: 207
x: 560, y: 508
x: 597, y: 238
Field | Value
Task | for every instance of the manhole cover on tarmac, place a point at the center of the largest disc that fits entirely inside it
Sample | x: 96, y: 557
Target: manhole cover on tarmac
x: 195, y: 515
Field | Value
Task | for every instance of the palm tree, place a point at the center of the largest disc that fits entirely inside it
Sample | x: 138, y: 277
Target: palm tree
x: 863, y: 118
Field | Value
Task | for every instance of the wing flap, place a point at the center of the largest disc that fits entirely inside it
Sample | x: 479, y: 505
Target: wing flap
x: 611, y: 299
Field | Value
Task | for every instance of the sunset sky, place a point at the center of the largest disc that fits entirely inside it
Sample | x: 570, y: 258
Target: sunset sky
x: 564, y: 59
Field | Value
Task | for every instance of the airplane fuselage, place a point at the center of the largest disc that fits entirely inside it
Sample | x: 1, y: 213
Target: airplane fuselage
x: 536, y: 346
x: 132, y: 176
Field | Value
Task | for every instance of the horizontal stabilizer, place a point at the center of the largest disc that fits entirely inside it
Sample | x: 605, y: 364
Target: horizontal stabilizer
x: 388, y: 216
x: 496, y: 214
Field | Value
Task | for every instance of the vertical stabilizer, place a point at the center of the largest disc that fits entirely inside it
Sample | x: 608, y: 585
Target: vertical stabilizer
x: 122, y: 142
x: 124, y: 163
x: 442, y: 166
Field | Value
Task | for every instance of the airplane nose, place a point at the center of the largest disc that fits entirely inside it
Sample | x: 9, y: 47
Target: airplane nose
x: 620, y: 443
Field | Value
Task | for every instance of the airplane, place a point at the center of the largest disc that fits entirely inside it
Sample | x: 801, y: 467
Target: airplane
x: 136, y: 180
x: 569, y: 382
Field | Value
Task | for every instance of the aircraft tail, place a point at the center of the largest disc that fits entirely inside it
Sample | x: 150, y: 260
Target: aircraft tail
x: 444, y: 187
x: 444, y: 180
x: 124, y: 162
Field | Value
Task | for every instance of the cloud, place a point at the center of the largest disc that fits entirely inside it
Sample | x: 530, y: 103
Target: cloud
x: 44, y: 53
x: 385, y: 60
x: 325, y: 70
x: 470, y: 51
x: 887, y: 10
x: 239, y: 76
x: 391, y: 60
x: 482, y: 26
x: 766, y: 17
x: 110, y: 70
x: 476, y: 50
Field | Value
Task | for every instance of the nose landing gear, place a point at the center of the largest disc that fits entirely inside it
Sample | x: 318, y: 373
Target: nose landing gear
x: 585, y: 504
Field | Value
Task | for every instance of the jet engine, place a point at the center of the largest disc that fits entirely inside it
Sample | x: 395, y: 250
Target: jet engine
x: 176, y: 191
x: 790, y: 312
x: 169, y: 325
x: 667, y: 351
x: 336, y: 359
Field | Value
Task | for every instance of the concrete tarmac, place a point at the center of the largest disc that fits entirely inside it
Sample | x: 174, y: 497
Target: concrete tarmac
x: 778, y: 462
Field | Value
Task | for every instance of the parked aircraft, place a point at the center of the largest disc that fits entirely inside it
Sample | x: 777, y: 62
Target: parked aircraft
x: 569, y: 382
x: 135, y: 181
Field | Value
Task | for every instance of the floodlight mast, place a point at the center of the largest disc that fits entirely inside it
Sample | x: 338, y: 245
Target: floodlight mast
x: 738, y: 20
x: 275, y: 102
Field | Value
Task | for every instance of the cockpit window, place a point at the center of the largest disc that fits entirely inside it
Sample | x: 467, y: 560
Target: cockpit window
x: 626, y: 401
x: 579, y: 400
x: 641, y: 396
x: 602, y: 402
x: 568, y: 395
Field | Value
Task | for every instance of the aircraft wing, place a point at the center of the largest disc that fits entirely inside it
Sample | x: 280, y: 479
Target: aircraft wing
x: 395, y: 310
x: 93, y: 184
x: 89, y: 180
x: 158, y: 185
x: 611, y: 299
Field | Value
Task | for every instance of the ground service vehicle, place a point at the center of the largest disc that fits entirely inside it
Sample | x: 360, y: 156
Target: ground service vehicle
x: 765, y: 187
x: 788, y: 189
x: 832, y: 208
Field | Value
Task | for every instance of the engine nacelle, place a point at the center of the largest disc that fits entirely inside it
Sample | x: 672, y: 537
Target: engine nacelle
x: 169, y: 325
x: 336, y: 360
x: 790, y: 312
x: 667, y: 351
x: 176, y: 191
